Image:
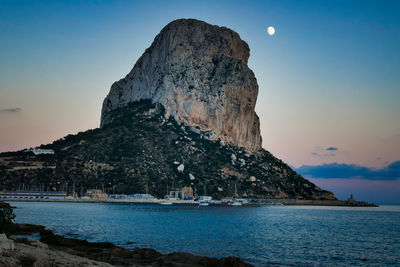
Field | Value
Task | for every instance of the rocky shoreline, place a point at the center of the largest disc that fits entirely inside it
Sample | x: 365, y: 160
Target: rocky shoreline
x: 55, y: 250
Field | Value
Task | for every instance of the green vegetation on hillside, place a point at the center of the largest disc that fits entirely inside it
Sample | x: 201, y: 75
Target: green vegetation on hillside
x: 141, y: 147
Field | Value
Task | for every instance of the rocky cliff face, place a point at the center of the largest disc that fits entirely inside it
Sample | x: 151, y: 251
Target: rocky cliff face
x: 198, y: 72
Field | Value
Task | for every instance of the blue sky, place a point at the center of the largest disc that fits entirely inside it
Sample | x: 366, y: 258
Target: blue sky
x: 328, y: 78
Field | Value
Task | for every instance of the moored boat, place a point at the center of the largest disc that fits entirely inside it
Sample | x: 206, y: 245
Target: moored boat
x: 235, y: 203
x: 203, y: 204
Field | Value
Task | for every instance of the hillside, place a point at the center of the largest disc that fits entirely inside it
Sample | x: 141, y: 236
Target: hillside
x: 141, y: 147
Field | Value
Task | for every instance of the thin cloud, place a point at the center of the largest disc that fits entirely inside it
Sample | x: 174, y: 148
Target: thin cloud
x: 326, y: 152
x: 11, y: 110
x: 332, y: 149
x: 326, y: 155
x: 350, y: 171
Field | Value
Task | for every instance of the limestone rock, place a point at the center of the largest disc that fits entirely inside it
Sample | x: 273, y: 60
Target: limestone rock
x: 198, y: 72
x: 6, y: 243
x: 181, y: 168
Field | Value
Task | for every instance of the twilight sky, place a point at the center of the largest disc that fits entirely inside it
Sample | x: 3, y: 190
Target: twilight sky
x: 329, y: 78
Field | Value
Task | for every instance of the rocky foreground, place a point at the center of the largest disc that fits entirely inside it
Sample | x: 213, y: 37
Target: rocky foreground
x: 55, y: 250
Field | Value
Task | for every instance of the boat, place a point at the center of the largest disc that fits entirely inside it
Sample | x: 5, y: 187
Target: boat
x: 165, y: 203
x: 272, y: 203
x: 235, y: 203
x: 204, y: 204
x: 242, y: 201
x: 226, y: 201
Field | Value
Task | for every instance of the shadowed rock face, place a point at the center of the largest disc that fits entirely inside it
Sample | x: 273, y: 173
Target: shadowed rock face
x: 199, y: 73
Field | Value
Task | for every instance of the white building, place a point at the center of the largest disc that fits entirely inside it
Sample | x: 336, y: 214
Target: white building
x: 38, y: 151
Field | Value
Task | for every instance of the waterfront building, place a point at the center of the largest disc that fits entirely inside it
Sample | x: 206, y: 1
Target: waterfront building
x: 141, y: 196
x: 176, y: 194
x: 96, y: 194
x: 134, y: 196
x: 117, y: 196
x: 20, y: 194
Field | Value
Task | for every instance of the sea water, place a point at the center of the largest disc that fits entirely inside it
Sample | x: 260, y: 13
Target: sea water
x: 268, y: 235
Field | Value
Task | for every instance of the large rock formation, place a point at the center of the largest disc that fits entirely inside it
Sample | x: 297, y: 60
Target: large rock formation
x: 199, y: 73
x: 193, y: 73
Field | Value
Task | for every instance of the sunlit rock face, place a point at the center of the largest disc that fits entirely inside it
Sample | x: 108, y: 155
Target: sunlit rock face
x: 199, y: 73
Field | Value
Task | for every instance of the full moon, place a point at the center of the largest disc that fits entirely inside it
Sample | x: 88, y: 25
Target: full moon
x: 271, y: 30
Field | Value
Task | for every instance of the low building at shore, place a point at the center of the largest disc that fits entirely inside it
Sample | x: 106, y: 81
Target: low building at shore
x: 134, y: 196
x: 96, y: 194
x: 5, y: 194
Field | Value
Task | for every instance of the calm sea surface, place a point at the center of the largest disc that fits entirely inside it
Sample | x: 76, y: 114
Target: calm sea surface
x: 272, y: 235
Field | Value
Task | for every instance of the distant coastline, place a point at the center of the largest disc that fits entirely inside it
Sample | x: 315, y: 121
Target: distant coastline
x: 290, y: 202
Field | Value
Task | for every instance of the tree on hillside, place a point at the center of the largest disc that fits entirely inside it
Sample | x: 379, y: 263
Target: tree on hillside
x: 7, y: 217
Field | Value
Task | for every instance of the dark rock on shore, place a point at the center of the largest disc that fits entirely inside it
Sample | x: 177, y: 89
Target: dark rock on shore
x: 28, y: 229
x: 109, y: 253
x: 354, y: 203
x: 4, y: 205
